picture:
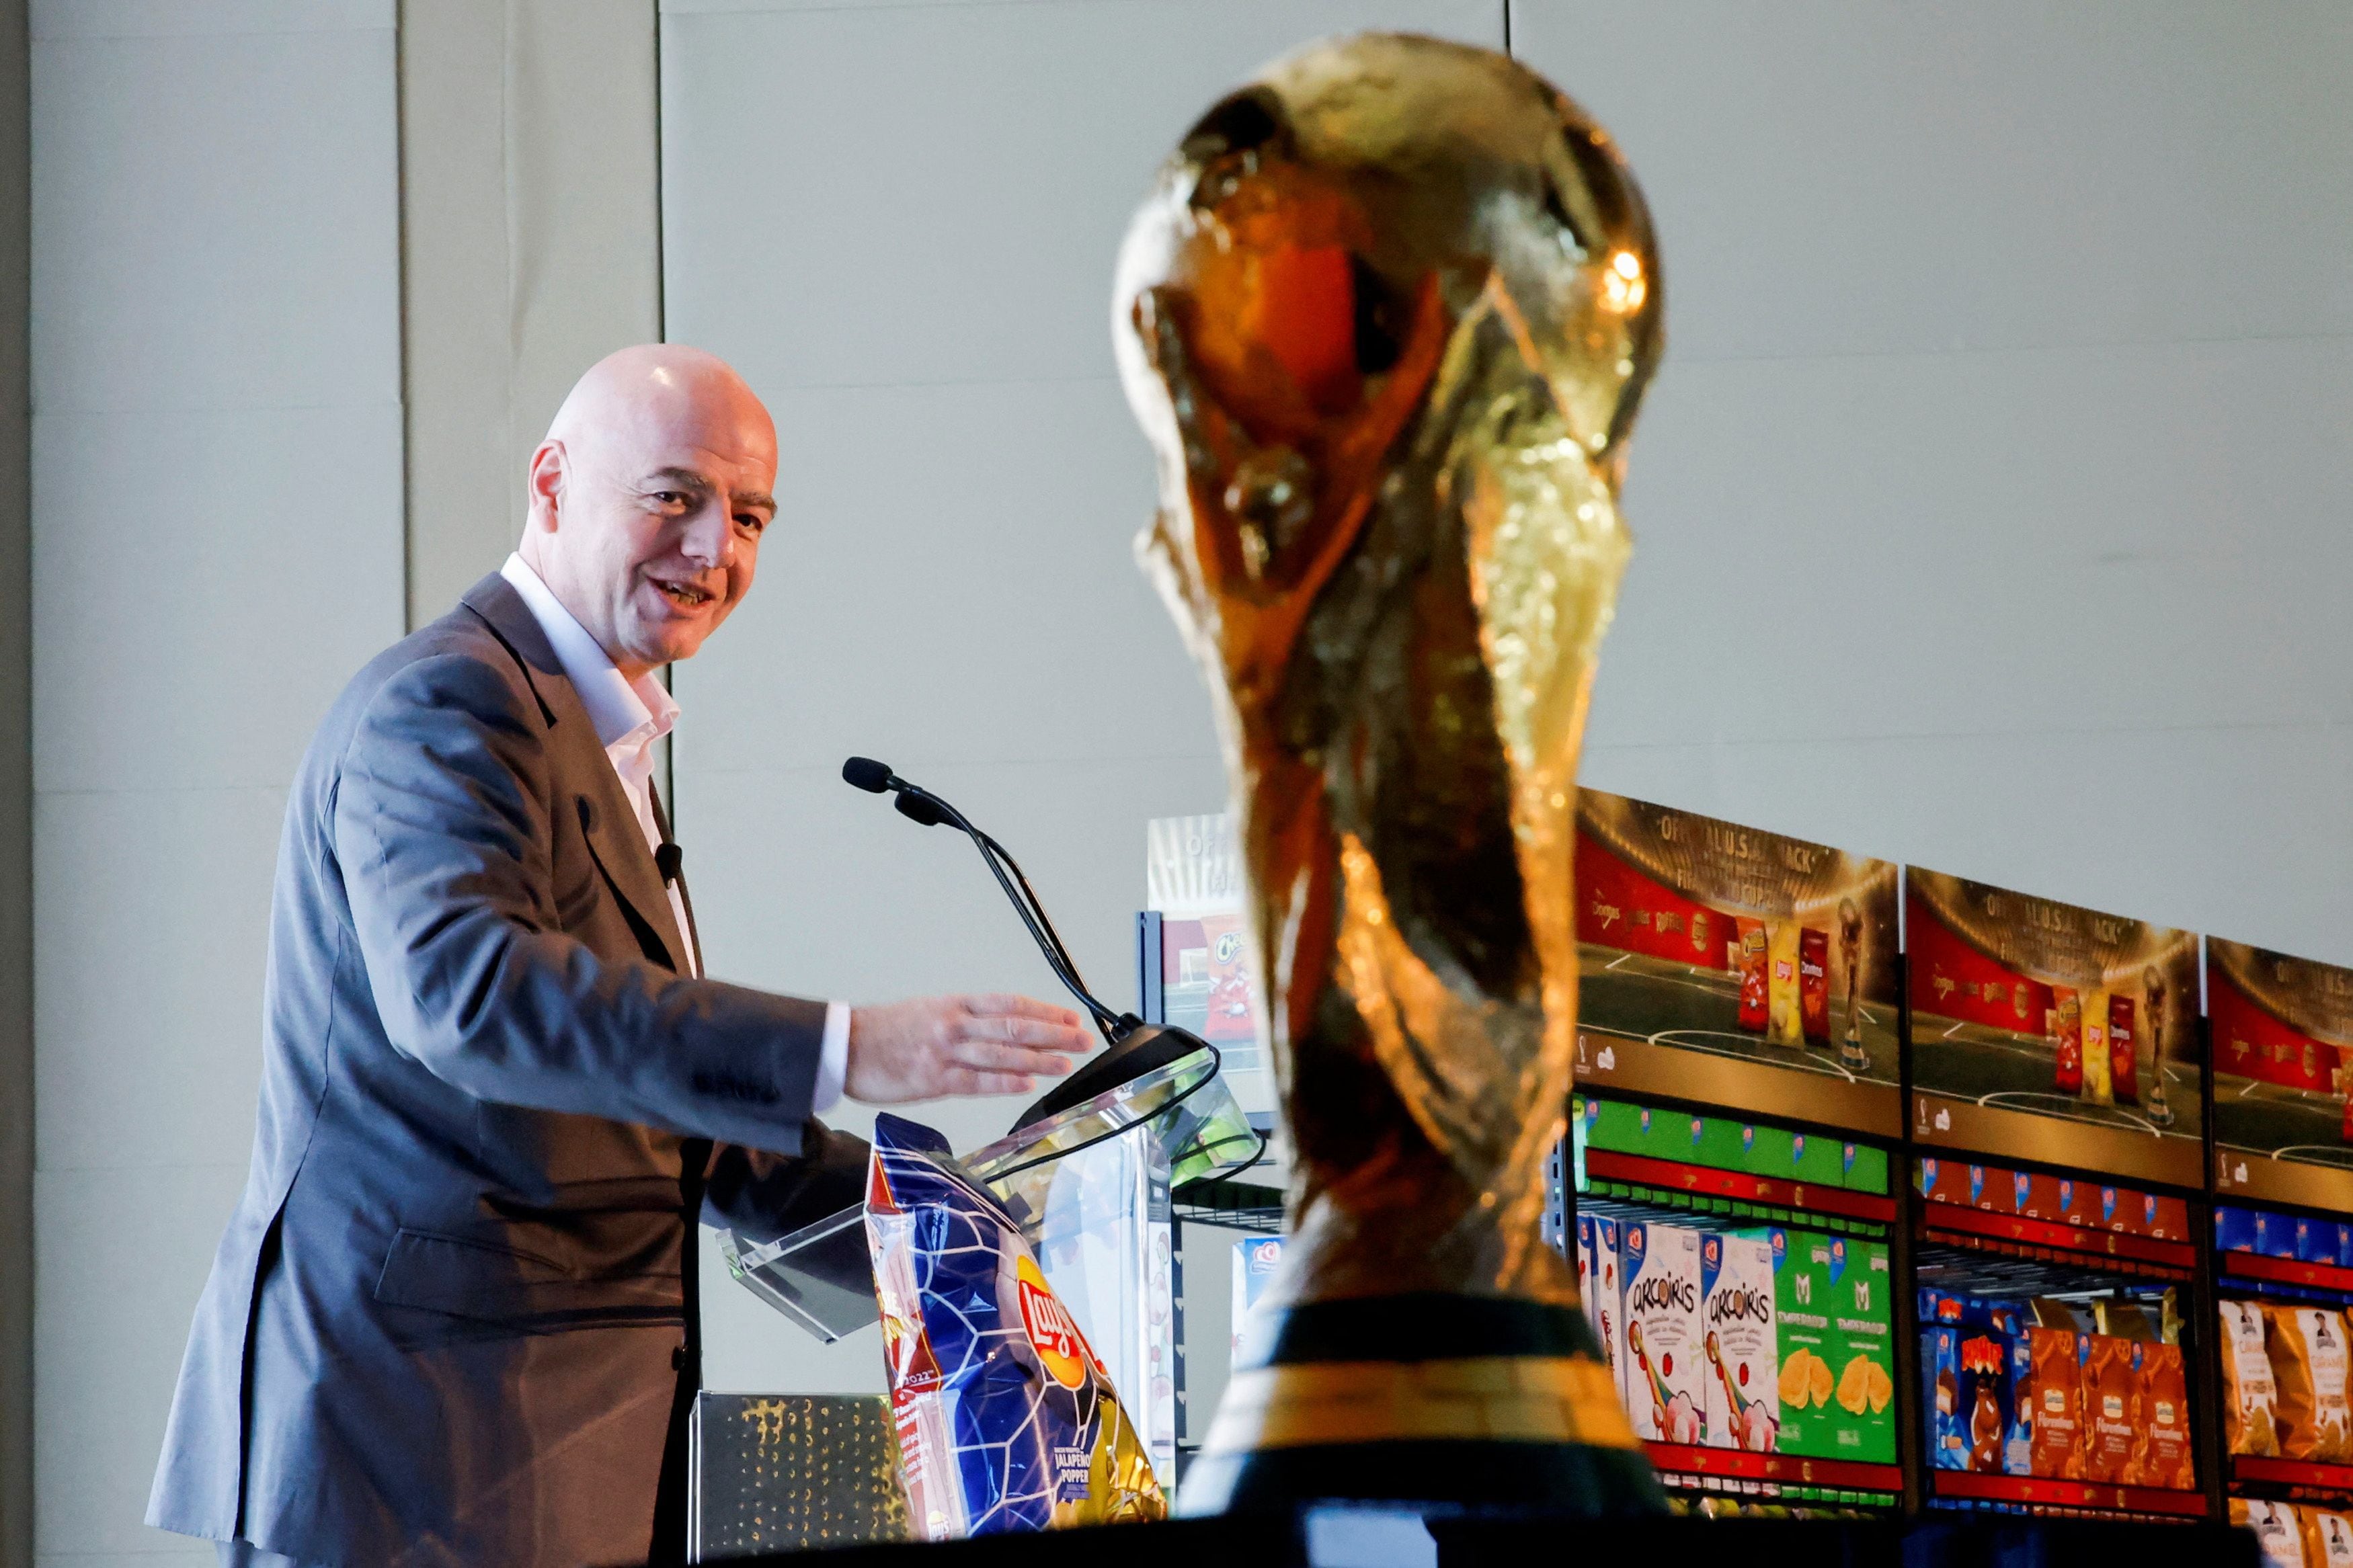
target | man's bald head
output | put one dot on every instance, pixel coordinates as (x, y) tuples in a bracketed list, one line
[(648, 500)]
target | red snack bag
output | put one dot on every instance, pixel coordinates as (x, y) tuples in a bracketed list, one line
[(2063, 1025), (1755, 1011), (2124, 1065), (1814, 983)]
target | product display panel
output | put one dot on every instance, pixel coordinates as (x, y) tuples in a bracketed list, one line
[(1740, 1276), (2059, 1364), (2281, 1032), (2054, 1034), (2282, 1282), (1737, 967)]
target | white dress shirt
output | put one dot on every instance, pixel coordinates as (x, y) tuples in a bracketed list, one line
[(630, 717)]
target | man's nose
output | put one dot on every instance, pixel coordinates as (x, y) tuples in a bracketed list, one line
[(709, 540)]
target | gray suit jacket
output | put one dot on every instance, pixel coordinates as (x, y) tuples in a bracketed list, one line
[(445, 1325)]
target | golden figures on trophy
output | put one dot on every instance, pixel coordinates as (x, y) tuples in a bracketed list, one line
[(1386, 318)]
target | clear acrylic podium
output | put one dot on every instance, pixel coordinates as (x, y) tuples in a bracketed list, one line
[(1089, 1187)]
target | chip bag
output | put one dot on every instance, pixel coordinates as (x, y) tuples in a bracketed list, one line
[(2309, 1364), (2250, 1397), (2328, 1539), (1006, 1420)]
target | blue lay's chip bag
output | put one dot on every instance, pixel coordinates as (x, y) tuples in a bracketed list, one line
[(1006, 1420)]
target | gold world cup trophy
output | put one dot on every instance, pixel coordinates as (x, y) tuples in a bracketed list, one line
[(1385, 317)]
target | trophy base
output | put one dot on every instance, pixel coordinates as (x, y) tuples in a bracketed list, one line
[(1504, 1404), (1434, 1477)]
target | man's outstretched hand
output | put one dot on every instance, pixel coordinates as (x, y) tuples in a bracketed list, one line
[(938, 1045)]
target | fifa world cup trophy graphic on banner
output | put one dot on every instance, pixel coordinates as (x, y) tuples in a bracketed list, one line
[(1387, 317)]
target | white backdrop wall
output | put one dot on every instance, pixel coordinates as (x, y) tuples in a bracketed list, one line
[(216, 547)]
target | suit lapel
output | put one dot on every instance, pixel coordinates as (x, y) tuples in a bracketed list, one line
[(583, 772)]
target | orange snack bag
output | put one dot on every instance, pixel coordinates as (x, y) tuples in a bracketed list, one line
[(2055, 1396), (2111, 1409), (2162, 1457), (2250, 1396), (2307, 1346)]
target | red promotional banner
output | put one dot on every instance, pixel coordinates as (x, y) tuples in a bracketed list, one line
[(1950, 977), (1619, 907), (2252, 1043)]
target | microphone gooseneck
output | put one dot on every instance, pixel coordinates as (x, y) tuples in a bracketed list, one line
[(923, 807)]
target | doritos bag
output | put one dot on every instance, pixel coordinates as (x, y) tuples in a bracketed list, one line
[(1007, 1421)]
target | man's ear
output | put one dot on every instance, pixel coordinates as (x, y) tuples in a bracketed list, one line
[(548, 465)]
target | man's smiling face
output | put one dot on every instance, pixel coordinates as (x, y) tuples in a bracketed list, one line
[(648, 501)]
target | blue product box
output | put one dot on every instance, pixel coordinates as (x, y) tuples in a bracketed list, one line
[(2234, 1228)]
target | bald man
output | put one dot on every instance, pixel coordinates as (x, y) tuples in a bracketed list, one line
[(452, 1321)]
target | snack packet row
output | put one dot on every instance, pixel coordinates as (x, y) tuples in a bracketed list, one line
[(2296, 1535), (2284, 1382), (1006, 1420), (1784, 970), (1769, 1340), (2011, 1393)]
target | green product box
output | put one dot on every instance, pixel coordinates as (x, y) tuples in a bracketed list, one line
[(1866, 1168), (1788, 1156), (1713, 1142), (1817, 1159), (1865, 1317), (1833, 1299), (1766, 1150), (1617, 1125)]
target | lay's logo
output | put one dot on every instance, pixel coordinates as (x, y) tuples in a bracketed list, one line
[(1056, 1338)]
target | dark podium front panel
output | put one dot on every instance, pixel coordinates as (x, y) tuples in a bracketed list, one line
[(783, 1472)]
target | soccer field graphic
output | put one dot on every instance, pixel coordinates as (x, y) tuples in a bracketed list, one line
[(2010, 1072), (1629, 996), (2025, 1007)]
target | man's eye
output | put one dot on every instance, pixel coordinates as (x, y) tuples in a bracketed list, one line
[(668, 498), (752, 521)]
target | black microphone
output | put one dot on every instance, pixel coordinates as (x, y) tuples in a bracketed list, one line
[(667, 860), (869, 775), (1136, 1048)]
